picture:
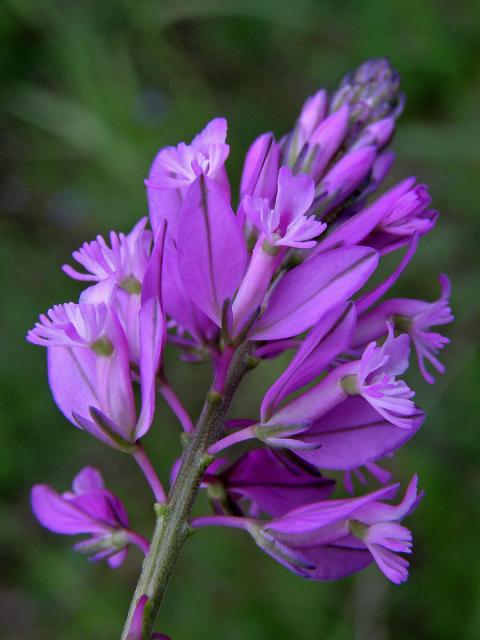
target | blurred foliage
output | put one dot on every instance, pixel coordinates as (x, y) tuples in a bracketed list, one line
[(90, 91)]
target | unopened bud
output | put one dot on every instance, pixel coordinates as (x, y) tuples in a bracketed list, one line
[(372, 91)]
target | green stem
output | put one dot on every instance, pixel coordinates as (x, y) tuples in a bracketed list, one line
[(173, 518)]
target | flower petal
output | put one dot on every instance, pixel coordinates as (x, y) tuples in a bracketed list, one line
[(307, 292), (212, 254), (354, 434), (330, 336)]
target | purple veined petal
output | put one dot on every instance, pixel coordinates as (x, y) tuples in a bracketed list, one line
[(335, 561), (380, 170), (328, 137), (152, 340), (176, 301), (378, 133), (357, 228), (87, 480), (354, 434), (72, 378), (126, 307), (119, 510), (312, 114), (114, 382), (174, 169), (306, 521), (60, 515), (152, 280), (165, 205), (260, 170), (313, 403), (152, 334), (212, 254), (346, 175), (101, 507), (273, 483), (369, 299), (329, 337), (307, 292)]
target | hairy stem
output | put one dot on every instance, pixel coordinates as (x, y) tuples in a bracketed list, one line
[(173, 518)]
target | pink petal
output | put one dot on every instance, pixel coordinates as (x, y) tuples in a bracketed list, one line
[(88, 479), (329, 337), (212, 254), (307, 292)]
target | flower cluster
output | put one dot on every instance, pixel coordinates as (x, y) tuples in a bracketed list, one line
[(286, 269)]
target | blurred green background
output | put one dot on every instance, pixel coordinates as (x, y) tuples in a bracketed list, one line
[(90, 91)]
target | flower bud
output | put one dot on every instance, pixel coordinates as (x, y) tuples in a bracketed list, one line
[(372, 91)]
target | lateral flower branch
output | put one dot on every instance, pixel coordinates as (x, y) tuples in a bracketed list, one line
[(287, 270)]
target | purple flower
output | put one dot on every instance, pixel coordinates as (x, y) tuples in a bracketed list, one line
[(358, 413), (321, 146), (345, 135), (372, 91), (89, 366), (334, 538), (122, 264), (312, 289), (312, 114), (260, 170), (183, 313), (119, 272), (174, 169), (388, 223), (351, 435), (376, 380), (286, 271), (88, 508), (287, 224), (74, 325), (269, 481), (416, 317), (326, 340), (373, 377), (89, 361), (410, 214), (344, 177), (212, 253), (378, 134)]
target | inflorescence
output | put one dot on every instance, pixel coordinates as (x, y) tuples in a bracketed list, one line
[(287, 271)]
